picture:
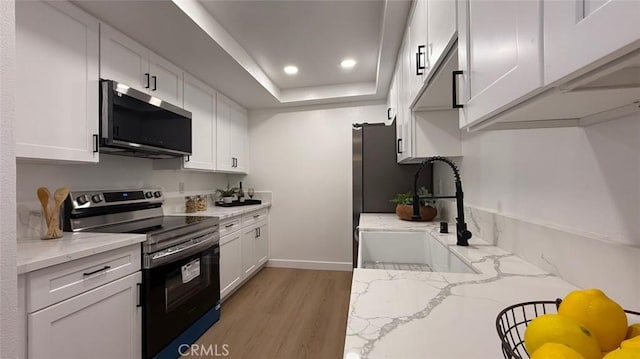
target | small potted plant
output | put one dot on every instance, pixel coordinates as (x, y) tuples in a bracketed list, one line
[(404, 206), (227, 194)]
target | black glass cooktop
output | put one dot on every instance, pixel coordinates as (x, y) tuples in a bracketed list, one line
[(154, 224)]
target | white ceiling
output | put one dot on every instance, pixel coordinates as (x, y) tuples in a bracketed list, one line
[(240, 47), (313, 35)]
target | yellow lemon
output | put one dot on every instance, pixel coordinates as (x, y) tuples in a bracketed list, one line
[(633, 343), (556, 351), (633, 331), (593, 309), (624, 354), (553, 328)]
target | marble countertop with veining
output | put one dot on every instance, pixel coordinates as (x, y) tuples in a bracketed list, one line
[(225, 212), (403, 314), (35, 253)]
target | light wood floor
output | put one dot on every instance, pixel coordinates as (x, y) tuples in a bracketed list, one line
[(285, 314)]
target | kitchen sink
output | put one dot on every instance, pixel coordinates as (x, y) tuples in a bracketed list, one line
[(412, 251)]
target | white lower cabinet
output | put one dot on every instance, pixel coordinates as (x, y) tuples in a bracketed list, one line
[(249, 236), (244, 249), (255, 247), (85, 308), (261, 244), (101, 323), (230, 263)]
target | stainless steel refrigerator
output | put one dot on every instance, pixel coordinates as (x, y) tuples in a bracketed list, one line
[(377, 177)]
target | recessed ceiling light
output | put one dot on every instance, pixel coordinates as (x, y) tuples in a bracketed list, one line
[(348, 63), (290, 70)]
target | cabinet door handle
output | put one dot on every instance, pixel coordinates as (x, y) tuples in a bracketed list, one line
[(256, 233), (259, 232), (389, 113), (399, 145), (139, 285), (97, 271), (146, 75), (96, 144), (419, 65), (188, 159), (155, 82), (454, 86)]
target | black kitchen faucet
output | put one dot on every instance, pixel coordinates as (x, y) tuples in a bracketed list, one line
[(461, 227)]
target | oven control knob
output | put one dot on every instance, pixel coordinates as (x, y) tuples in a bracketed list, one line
[(96, 198), (148, 194), (82, 199), (157, 194)]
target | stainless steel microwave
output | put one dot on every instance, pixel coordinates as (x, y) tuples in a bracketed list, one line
[(133, 123)]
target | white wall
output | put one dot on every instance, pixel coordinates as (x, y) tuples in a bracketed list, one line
[(586, 180), (304, 157), (112, 172), (8, 276)]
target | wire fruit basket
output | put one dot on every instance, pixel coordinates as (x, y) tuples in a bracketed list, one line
[(513, 321)]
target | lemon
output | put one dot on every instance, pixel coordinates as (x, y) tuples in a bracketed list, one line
[(633, 343), (556, 351), (624, 354), (604, 317), (633, 331), (553, 328)]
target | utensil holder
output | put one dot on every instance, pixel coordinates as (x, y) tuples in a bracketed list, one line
[(50, 227)]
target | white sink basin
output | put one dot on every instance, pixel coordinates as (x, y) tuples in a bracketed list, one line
[(414, 251)]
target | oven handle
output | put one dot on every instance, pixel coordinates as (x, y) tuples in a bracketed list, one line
[(185, 252)]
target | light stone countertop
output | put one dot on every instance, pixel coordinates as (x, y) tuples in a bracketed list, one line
[(406, 314), (224, 212), (34, 253)]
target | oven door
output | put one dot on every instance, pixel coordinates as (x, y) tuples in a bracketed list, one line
[(177, 293)]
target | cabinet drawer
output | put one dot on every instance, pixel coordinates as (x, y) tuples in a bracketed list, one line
[(54, 284), (254, 217), (229, 225)]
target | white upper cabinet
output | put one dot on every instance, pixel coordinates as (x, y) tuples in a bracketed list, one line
[(417, 48), (239, 138), (403, 120), (580, 32), (166, 79), (500, 54), (441, 28), (200, 100), (392, 99), (124, 60), (232, 136), (225, 161), (56, 90)]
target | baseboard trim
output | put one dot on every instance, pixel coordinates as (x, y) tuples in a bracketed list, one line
[(317, 265)]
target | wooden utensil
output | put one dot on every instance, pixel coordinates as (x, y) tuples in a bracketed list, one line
[(43, 196), (59, 196)]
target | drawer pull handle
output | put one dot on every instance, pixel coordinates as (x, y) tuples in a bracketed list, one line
[(256, 216), (229, 225), (97, 271)]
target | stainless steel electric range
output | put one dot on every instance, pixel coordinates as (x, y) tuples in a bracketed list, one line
[(180, 290)]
